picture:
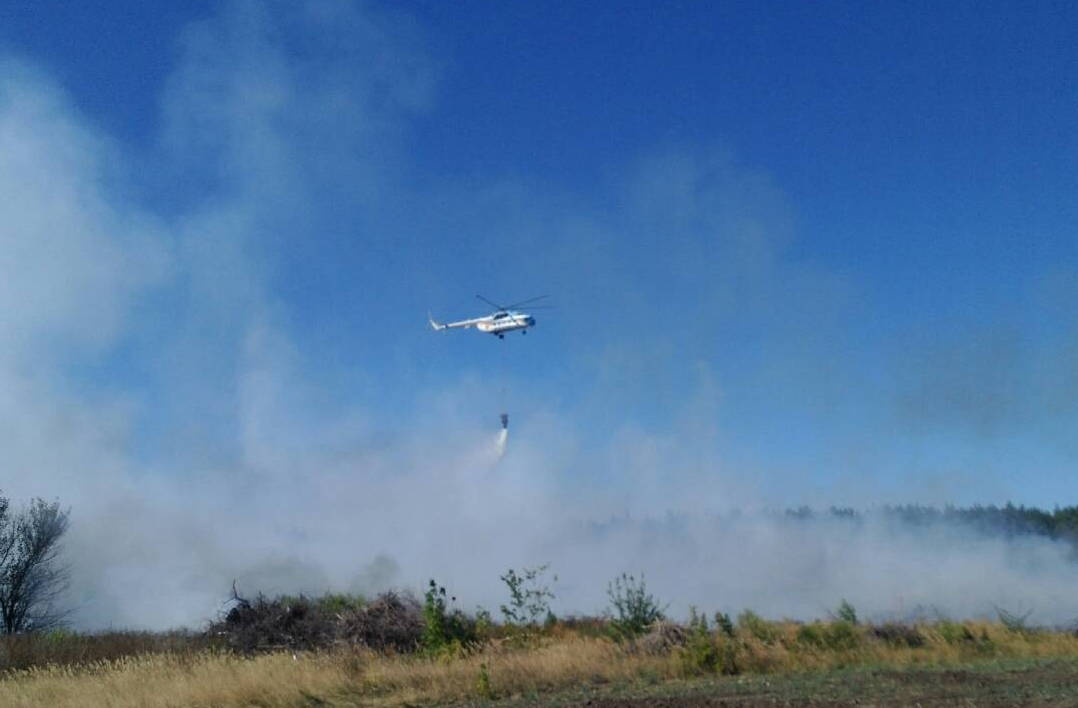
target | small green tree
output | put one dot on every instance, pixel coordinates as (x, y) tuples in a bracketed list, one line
[(846, 613), (434, 619), (635, 609), (444, 629), (529, 596), (725, 624)]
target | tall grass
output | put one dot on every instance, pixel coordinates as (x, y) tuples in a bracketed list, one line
[(561, 659), (63, 648)]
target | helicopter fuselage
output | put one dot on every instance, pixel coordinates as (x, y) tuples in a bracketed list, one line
[(497, 323), (501, 322)]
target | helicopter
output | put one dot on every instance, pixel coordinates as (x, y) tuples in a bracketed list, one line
[(503, 319)]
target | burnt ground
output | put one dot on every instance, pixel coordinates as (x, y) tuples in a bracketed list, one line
[(1044, 682)]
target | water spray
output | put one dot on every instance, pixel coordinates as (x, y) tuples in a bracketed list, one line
[(503, 435)]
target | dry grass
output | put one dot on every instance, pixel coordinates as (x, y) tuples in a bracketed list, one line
[(567, 660), (338, 678), (24, 651), (175, 680), (944, 643)]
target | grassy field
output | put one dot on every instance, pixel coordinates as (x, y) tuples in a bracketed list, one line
[(1008, 682), (942, 663)]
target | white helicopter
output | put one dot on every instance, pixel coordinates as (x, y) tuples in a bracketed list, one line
[(502, 320)]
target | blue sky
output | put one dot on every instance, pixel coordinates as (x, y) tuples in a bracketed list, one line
[(801, 253)]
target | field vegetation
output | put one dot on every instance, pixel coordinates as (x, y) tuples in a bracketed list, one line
[(395, 650), (401, 649)]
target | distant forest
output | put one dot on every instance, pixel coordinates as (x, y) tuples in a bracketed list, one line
[(1008, 521)]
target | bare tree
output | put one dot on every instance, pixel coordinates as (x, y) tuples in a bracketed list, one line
[(31, 575)]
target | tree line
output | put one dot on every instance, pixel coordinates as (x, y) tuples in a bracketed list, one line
[(33, 577), (1008, 520)]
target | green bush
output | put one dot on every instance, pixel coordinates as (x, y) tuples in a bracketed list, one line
[(954, 632), (635, 609), (482, 683), (529, 597), (810, 635), (841, 635), (724, 624), (756, 626), (705, 652), (846, 613), (484, 624), (834, 636), (445, 630)]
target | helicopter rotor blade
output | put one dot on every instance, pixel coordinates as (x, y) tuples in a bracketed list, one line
[(492, 304), (529, 300)]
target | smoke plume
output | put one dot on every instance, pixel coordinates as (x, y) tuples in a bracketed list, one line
[(224, 369)]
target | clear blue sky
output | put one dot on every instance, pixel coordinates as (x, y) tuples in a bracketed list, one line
[(828, 250)]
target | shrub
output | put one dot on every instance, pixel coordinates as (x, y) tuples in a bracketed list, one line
[(586, 626), (899, 635), (265, 624), (954, 632), (846, 613), (482, 683), (756, 626), (841, 635), (484, 624), (705, 652), (835, 636), (634, 607), (663, 638), (390, 622), (724, 624), (529, 597), (810, 635), (444, 629), (1013, 621), (340, 603)]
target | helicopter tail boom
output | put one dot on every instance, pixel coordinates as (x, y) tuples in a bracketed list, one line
[(453, 325)]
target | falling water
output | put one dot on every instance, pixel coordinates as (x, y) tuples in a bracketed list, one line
[(503, 436)]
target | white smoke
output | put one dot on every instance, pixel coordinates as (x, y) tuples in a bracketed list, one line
[(153, 380)]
